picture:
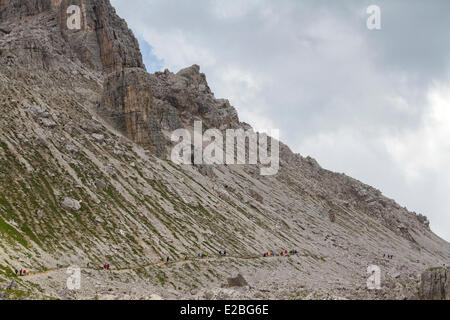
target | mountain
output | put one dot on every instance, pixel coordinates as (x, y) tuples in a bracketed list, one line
[(86, 177)]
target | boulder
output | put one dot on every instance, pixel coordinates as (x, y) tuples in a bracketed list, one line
[(435, 284), (90, 126), (98, 137), (70, 204), (238, 281), (12, 285), (255, 195), (38, 112), (101, 184)]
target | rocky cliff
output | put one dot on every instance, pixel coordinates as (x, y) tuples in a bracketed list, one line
[(84, 177)]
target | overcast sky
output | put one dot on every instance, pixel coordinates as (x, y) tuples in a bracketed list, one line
[(374, 104)]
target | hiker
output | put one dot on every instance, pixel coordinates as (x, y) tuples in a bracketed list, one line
[(281, 253), (220, 252), (225, 252), (168, 259), (87, 264), (185, 257), (20, 272), (16, 271)]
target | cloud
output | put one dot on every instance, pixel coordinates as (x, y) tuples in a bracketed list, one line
[(372, 104)]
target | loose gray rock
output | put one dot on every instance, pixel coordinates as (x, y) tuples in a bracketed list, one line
[(48, 123), (98, 137), (101, 184), (70, 204), (90, 126), (12, 285), (435, 284), (71, 148)]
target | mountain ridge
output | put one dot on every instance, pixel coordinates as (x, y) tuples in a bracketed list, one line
[(83, 121)]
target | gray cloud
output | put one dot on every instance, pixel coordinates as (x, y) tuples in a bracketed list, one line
[(372, 104)]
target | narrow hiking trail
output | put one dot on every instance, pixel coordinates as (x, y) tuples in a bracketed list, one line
[(156, 264)]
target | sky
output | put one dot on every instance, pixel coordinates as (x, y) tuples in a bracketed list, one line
[(374, 104)]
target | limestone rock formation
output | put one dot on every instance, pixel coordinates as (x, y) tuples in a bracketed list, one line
[(37, 35)]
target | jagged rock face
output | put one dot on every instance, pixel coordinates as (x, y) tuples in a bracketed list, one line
[(435, 284), (145, 106), (36, 33)]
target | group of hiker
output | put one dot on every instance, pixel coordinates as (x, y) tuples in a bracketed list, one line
[(389, 256), (281, 253), (22, 272), (205, 255)]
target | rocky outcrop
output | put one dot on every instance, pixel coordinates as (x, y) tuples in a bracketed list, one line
[(435, 284), (148, 107)]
